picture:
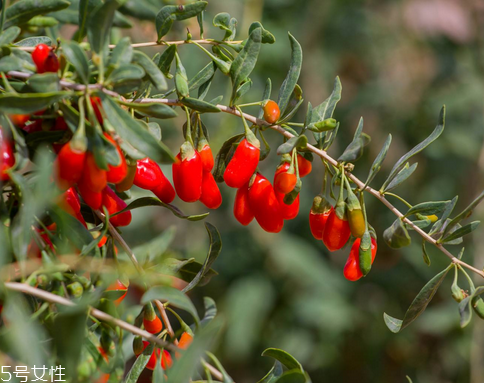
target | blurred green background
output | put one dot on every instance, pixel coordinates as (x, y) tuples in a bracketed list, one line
[(399, 61)]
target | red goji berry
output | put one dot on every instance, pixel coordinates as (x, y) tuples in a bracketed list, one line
[(148, 174), (7, 157), (93, 177), (128, 181), (271, 112), (263, 202), (92, 199), (304, 166), (96, 106), (166, 360), (39, 56), (288, 211), (153, 326), (114, 204), (242, 165), (51, 63), (70, 165), (211, 196), (318, 216), (352, 270), (153, 358), (336, 232), (205, 155), (188, 173), (19, 120), (71, 204), (164, 190), (284, 182), (242, 211), (118, 286), (116, 174)]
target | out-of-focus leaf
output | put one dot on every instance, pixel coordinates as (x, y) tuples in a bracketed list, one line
[(44, 83), (292, 77), (292, 376), (166, 58), (396, 236), (417, 149), (275, 372), (284, 357), (200, 105), (171, 13), (24, 10), (152, 109), (425, 255), (11, 62), (173, 296), (213, 253), (34, 41), (9, 35), (76, 56), (210, 310), (42, 22), (419, 304), (465, 311), (24, 103), (265, 96)]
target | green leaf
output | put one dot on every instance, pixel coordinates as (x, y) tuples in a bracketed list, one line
[(223, 156), (34, 41), (139, 365), (122, 54), (210, 310), (284, 357), (417, 149), (44, 83), (355, 149), (425, 255), (203, 76), (171, 13), (428, 208), (464, 230), (298, 142), (166, 59), (267, 37), (42, 22), (213, 253), (76, 56), (292, 376), (9, 35), (152, 109), (200, 105), (275, 372), (152, 201), (419, 304), (11, 62), (445, 215), (376, 166), (227, 24), (245, 62), (402, 176), (466, 213), (181, 79), (126, 72), (154, 73), (326, 109), (465, 311), (173, 296), (99, 25), (265, 96), (292, 77), (396, 236), (133, 131), (27, 103), (22, 11)]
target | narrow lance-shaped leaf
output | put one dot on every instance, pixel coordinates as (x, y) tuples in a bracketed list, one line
[(417, 149), (419, 304), (464, 230), (99, 25), (284, 357), (76, 56), (22, 11), (152, 71), (152, 109), (200, 105), (355, 149), (139, 365), (402, 175), (166, 59), (266, 95), (376, 166), (267, 37), (465, 213), (24, 103), (292, 77), (326, 109), (9, 35), (122, 54), (299, 142), (169, 13), (428, 208)]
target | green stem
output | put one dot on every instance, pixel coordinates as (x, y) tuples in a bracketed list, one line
[(399, 198), (258, 103), (297, 124), (188, 137)]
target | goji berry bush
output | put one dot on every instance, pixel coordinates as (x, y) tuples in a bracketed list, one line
[(82, 137)]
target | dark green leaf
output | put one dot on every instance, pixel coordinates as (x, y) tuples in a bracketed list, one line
[(24, 10), (152, 201), (171, 13), (125, 73), (34, 41), (166, 58), (417, 149), (223, 155), (464, 230), (210, 310), (267, 37), (152, 109), (465, 311), (355, 149), (292, 77), (181, 79), (132, 131), (405, 173), (396, 236), (11, 103), (245, 62), (44, 83), (419, 304), (275, 372), (76, 56), (445, 215), (425, 255), (284, 357), (466, 213), (227, 24), (213, 253), (376, 166), (99, 25), (299, 142), (266, 96), (200, 105), (428, 208), (153, 72), (173, 296), (326, 109)]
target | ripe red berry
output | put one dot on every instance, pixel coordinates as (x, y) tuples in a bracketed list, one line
[(128, 181), (288, 211), (96, 106), (185, 340), (242, 165), (114, 204), (187, 173), (70, 165), (206, 155), (93, 177), (263, 202), (39, 55), (242, 211), (304, 166), (153, 326), (92, 199), (211, 196), (7, 157), (164, 190), (118, 286), (317, 222), (352, 270), (154, 356), (71, 204), (336, 232), (148, 174), (116, 174), (284, 182), (51, 63), (271, 112)]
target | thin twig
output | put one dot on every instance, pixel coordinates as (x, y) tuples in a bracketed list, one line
[(101, 315)]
